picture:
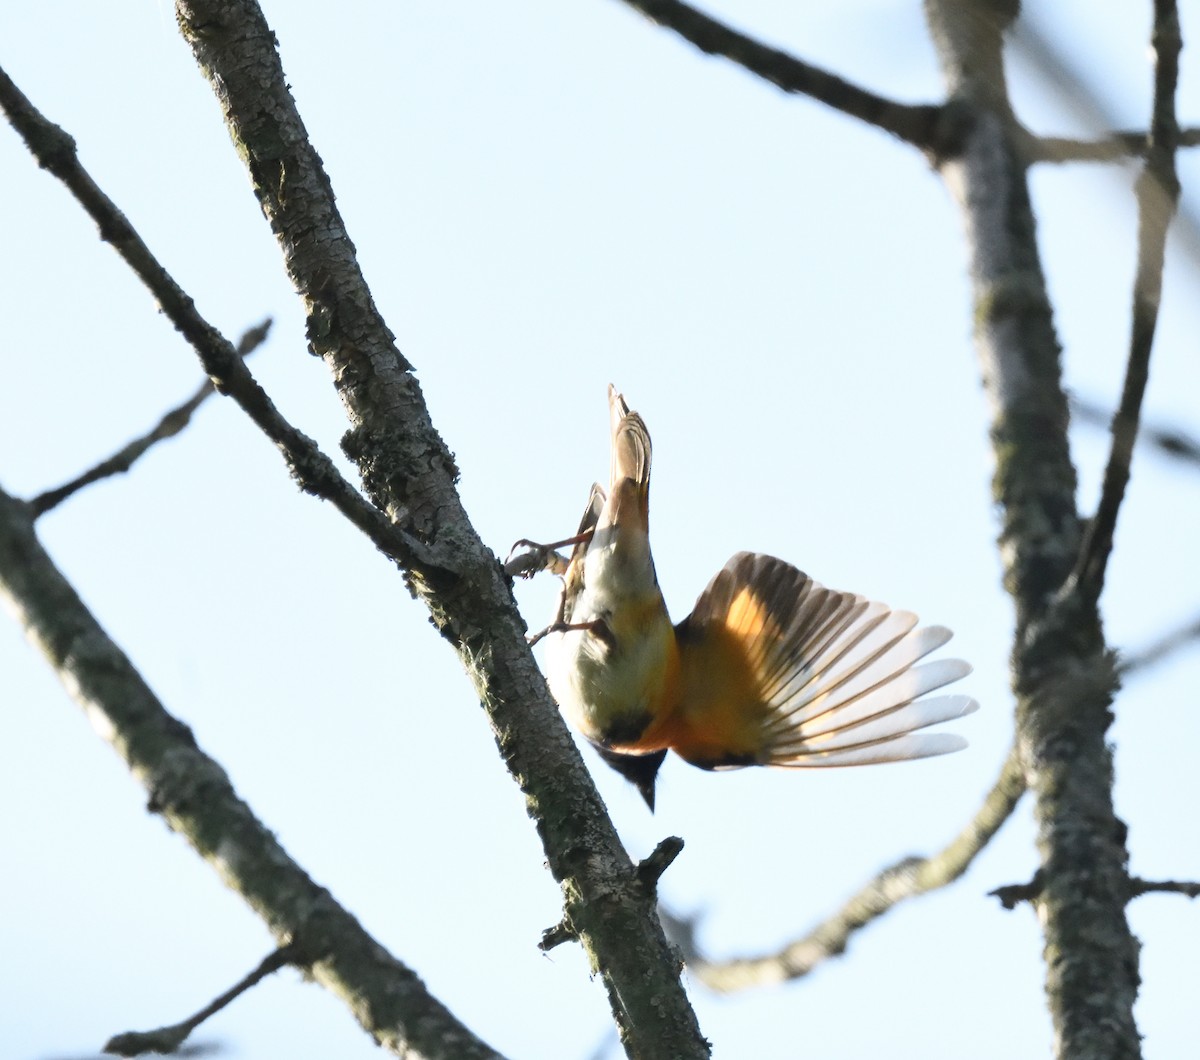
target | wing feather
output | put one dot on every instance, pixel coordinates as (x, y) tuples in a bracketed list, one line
[(573, 579)]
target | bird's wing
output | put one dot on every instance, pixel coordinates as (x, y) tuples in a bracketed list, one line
[(591, 516), (573, 578), (778, 670)]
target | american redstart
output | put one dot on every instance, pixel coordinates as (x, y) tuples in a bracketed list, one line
[(769, 669)]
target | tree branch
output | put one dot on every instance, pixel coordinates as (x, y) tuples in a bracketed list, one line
[(1157, 196), (170, 425), (1187, 888), (196, 799), (914, 124), (409, 474), (169, 1039), (313, 471), (1116, 147), (1063, 672), (1013, 894), (906, 879)]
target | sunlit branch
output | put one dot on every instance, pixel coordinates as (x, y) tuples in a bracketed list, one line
[(906, 879), (1116, 147)]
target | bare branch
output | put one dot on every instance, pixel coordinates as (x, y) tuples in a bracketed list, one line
[(1139, 887), (408, 472), (1013, 894), (169, 1039), (1063, 673), (195, 797), (914, 124), (1157, 196), (906, 879), (1116, 147), (411, 476), (1077, 88), (313, 471), (170, 425)]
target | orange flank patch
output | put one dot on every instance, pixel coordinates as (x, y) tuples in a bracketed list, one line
[(719, 719)]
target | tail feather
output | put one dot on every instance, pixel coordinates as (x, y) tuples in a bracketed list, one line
[(823, 678), (891, 673), (897, 749), (878, 726), (630, 443)]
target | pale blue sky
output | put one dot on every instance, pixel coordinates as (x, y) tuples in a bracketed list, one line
[(545, 198)]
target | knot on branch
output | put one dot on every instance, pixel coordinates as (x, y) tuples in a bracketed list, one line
[(563, 931), (650, 870), (1013, 894)]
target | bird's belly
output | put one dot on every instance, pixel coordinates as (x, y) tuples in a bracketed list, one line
[(616, 689)]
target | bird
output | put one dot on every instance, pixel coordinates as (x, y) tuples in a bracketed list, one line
[(770, 668)]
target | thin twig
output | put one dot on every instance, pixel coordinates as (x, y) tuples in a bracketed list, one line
[(913, 123), (1077, 88), (184, 1052), (1013, 894), (1120, 146), (1138, 887), (312, 469), (171, 424), (1157, 195), (1155, 652), (169, 1039), (906, 879), (1173, 441)]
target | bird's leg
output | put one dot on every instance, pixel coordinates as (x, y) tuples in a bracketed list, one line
[(597, 626), (540, 557)]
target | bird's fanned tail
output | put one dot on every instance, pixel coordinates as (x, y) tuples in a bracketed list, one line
[(778, 670)]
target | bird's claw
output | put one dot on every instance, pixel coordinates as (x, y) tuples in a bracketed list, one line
[(534, 559)]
